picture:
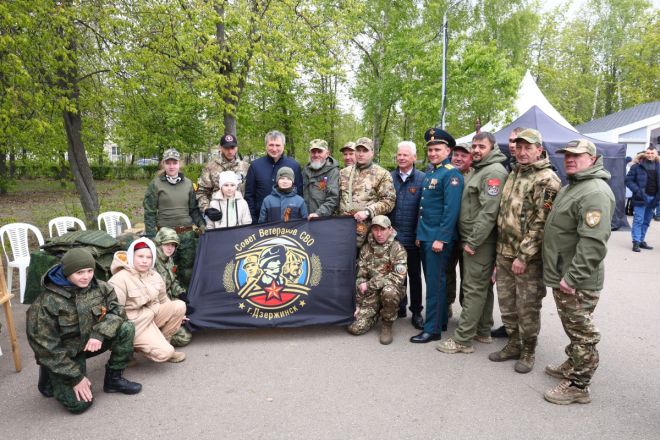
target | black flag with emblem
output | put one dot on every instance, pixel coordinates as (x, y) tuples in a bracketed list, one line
[(282, 274)]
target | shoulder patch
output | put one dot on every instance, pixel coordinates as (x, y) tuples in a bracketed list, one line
[(449, 166), (493, 186), (400, 269), (454, 181), (549, 195), (592, 217)]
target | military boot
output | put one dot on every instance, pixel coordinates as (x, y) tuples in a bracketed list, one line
[(44, 386), (114, 382), (636, 247), (386, 333), (566, 393), (559, 371), (510, 351), (526, 361)]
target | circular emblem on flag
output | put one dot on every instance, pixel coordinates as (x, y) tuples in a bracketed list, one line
[(272, 275)]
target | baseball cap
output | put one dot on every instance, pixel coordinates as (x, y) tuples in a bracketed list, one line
[(348, 146), (465, 146), (171, 153), (530, 135), (364, 142), (382, 221), (579, 146), (318, 144), (228, 141)]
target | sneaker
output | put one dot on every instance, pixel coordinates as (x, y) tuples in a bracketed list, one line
[(483, 339), (510, 351), (558, 371), (643, 245), (450, 346), (177, 356), (566, 393)]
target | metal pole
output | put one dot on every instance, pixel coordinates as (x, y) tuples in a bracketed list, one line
[(444, 70)]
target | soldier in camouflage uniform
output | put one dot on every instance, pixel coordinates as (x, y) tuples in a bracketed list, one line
[(167, 241), (380, 283), (526, 201), (366, 189), (226, 160), (74, 318), (574, 249)]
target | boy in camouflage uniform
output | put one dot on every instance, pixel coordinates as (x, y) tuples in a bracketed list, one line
[(526, 201), (167, 241), (380, 283), (74, 318), (366, 190)]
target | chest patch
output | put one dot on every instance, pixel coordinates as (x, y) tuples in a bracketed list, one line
[(592, 217)]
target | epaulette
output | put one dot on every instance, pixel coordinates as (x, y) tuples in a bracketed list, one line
[(449, 166)]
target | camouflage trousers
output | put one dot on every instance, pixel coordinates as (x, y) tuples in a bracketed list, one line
[(121, 351), (374, 303), (520, 298), (181, 337), (576, 314), (184, 257)]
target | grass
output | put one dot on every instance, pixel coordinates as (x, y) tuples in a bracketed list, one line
[(40, 200)]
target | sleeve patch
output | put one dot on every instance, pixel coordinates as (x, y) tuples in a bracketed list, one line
[(548, 198), (493, 186), (400, 269), (454, 181), (592, 217)]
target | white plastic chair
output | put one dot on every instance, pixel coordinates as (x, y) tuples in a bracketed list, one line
[(112, 222), (62, 225), (18, 238)]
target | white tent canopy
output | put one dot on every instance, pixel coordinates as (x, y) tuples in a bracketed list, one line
[(529, 95)]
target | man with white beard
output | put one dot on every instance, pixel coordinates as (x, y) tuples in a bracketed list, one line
[(320, 180)]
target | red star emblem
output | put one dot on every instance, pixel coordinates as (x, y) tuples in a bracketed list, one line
[(273, 291)]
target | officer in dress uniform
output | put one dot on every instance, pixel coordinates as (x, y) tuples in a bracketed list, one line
[(439, 208)]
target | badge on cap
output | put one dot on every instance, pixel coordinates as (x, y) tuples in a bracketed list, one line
[(493, 187), (592, 218)]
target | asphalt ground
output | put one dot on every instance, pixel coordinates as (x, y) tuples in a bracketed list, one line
[(322, 383)]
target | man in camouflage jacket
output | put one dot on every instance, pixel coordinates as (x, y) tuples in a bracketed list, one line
[(226, 160), (380, 283), (366, 189), (74, 318), (526, 201)]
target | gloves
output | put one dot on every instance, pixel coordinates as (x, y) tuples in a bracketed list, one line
[(214, 214)]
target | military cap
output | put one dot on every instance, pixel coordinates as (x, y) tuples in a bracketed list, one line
[(364, 142), (348, 146), (318, 144), (277, 253), (465, 146), (228, 141), (165, 236), (171, 153), (579, 146), (381, 220), (530, 135), (439, 136), (77, 259)]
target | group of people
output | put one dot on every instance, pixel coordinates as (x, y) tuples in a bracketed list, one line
[(499, 219)]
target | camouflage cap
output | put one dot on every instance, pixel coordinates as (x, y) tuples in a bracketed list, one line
[(381, 220), (348, 146), (579, 146), (171, 153), (465, 146), (166, 235), (318, 144), (530, 135), (365, 142)]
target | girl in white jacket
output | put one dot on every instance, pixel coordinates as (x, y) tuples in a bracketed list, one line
[(229, 200)]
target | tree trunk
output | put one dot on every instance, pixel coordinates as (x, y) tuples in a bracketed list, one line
[(12, 164), (4, 179), (230, 121), (82, 173)]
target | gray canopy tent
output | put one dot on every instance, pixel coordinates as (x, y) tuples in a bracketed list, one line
[(556, 136)]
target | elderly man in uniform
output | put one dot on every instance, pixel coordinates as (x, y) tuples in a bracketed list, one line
[(227, 159), (408, 182), (479, 207), (348, 153), (74, 318), (574, 249), (366, 189), (461, 158), (436, 229), (320, 181), (263, 172), (380, 283), (526, 201)]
